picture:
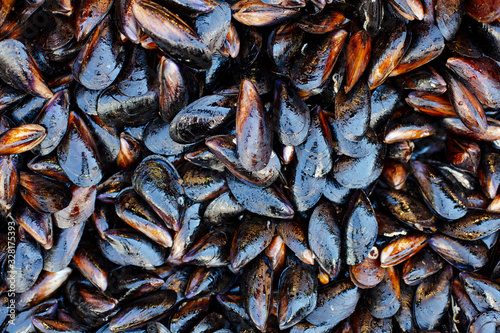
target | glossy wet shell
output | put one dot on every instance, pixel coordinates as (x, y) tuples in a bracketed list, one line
[(201, 166)]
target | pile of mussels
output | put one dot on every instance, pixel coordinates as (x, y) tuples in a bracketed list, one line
[(261, 165)]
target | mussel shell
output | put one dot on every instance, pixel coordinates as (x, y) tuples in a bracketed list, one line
[(213, 27), (9, 182), (291, 115), (297, 295), (427, 44), (65, 244), (224, 148), (335, 303), (202, 118), (258, 13), (432, 299), (360, 229), (135, 249), (157, 181), (408, 210), (383, 300), (136, 212), (54, 117), (142, 310), (202, 184), (37, 225), (257, 286), (305, 191), (250, 239), (20, 139), (483, 292), (315, 64), (88, 15), (422, 265), (117, 109), (324, 238), (23, 74), (192, 229), (172, 35), (45, 286), (43, 194), (79, 209), (388, 51), (449, 16), (314, 154), (294, 236), (101, 59), (78, 154), (212, 249), (253, 132), (466, 256), (352, 112), (354, 172), (267, 201), (28, 264), (177, 88)]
